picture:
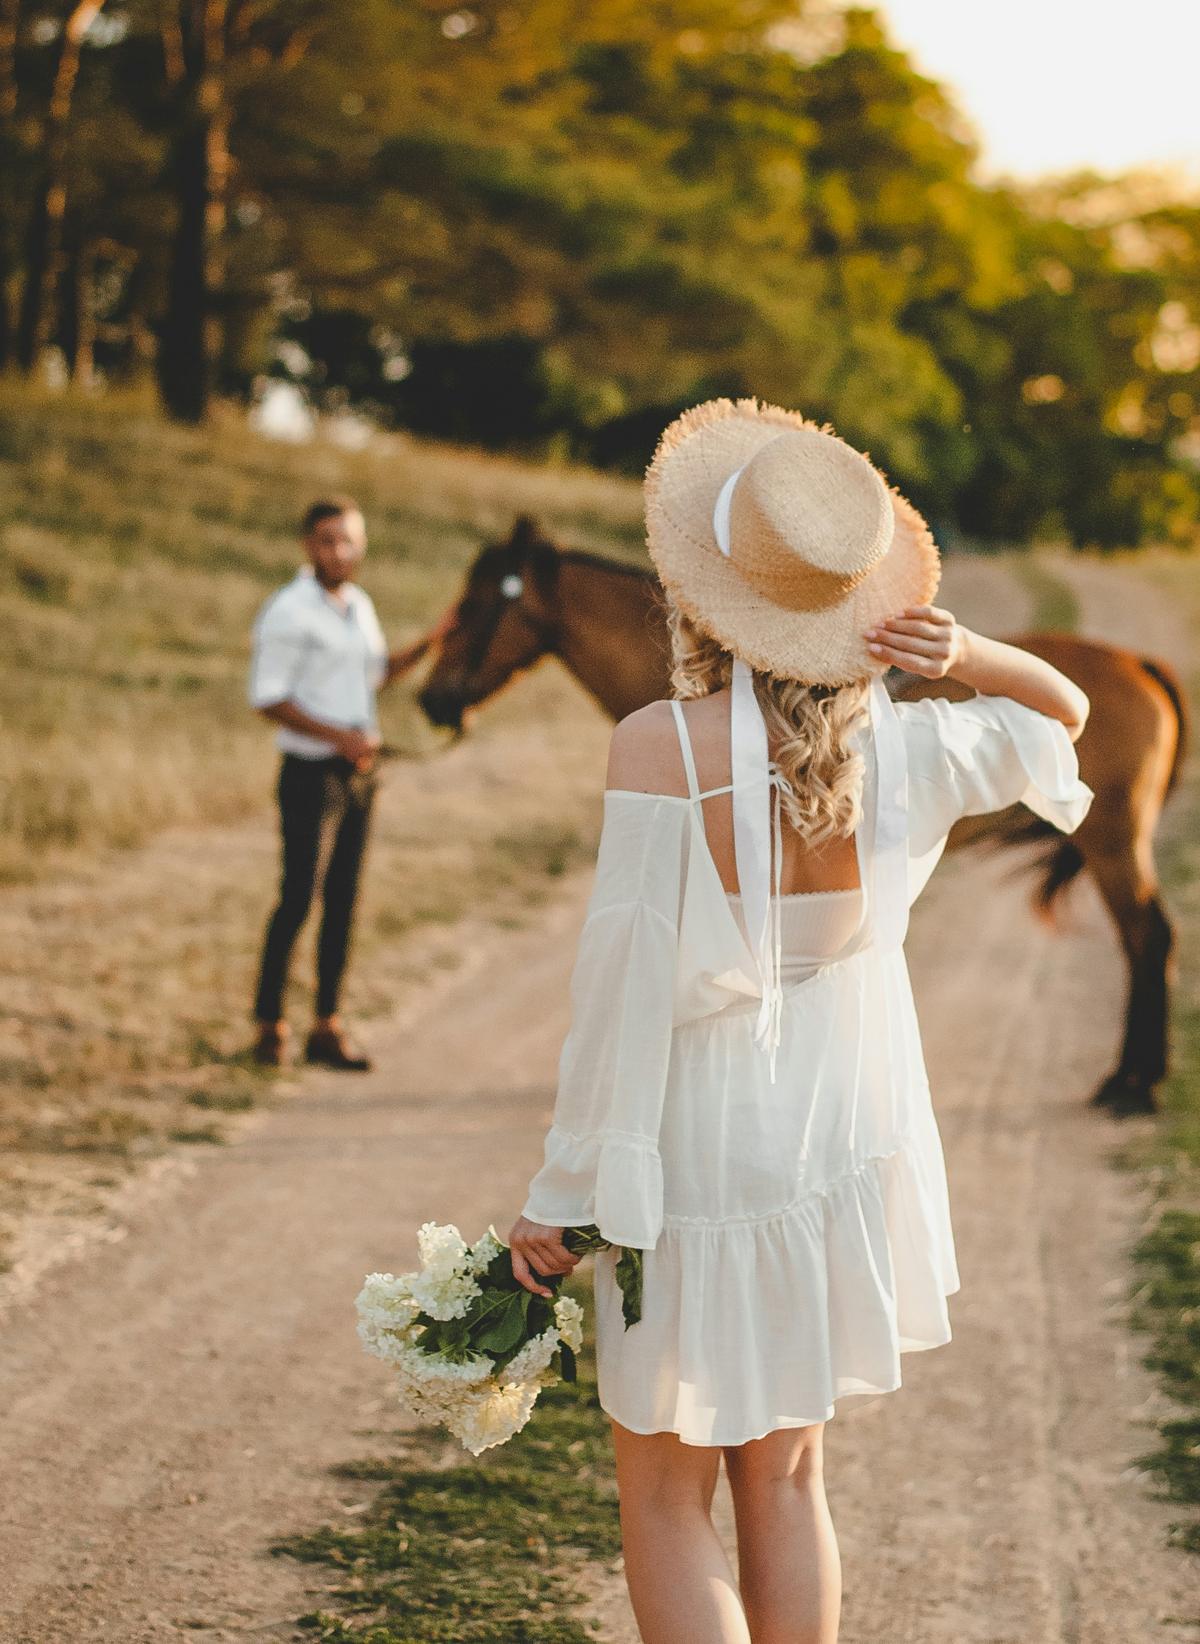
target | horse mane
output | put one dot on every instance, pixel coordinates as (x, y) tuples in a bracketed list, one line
[(600, 562)]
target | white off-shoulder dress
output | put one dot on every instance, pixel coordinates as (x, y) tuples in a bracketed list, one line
[(796, 1227)]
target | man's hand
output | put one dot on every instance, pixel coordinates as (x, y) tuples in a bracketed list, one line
[(359, 747), (922, 640), (403, 661), (536, 1247)]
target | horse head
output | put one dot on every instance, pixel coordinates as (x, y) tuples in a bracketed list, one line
[(505, 620)]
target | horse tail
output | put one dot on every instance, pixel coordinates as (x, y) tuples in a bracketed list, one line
[(1058, 868), (1058, 862), (1169, 680), (1061, 861)]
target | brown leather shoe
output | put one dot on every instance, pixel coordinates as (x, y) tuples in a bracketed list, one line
[(329, 1047), (270, 1048)]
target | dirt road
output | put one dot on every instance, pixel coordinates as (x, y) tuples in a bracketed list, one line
[(174, 1402)]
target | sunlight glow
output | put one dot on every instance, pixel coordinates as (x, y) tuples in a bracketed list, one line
[(1055, 85)]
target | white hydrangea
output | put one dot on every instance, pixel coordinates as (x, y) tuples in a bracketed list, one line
[(568, 1316), (485, 1251), (442, 1249), (431, 1370), (495, 1418), (481, 1406), (387, 1345), (386, 1310), (418, 1365), (444, 1288), (533, 1358), (433, 1389)]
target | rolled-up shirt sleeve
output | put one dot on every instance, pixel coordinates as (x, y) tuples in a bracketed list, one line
[(276, 657), (602, 1163), (377, 647)]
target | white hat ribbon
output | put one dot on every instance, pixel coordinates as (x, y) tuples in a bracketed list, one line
[(758, 831)]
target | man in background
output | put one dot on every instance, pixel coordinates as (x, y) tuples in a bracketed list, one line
[(319, 659)]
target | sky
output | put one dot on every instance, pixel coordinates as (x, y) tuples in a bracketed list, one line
[(1051, 85)]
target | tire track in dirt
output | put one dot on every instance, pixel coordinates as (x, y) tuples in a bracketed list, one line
[(1013, 1449), (174, 1403)]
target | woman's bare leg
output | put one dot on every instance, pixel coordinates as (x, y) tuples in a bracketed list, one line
[(789, 1569), (681, 1584)]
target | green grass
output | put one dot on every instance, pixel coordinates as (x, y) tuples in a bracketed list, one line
[(1166, 1294), (474, 1551), (1167, 1305)]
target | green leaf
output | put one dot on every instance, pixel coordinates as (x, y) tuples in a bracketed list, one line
[(584, 1241), (629, 1278), (506, 1329)]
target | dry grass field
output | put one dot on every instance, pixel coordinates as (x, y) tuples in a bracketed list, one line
[(137, 844)]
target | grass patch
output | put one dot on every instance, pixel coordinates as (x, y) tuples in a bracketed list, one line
[(1168, 1307), (1055, 606), (1166, 1297), (106, 1130), (210, 1133), (222, 1101), (474, 1552)]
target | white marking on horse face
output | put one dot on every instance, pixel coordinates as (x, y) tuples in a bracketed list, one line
[(512, 586)]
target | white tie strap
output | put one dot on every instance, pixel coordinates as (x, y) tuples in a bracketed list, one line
[(758, 824)]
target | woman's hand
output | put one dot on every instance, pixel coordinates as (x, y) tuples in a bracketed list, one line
[(922, 640), (536, 1247), (927, 641)]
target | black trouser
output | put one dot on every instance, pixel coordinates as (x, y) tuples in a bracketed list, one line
[(324, 811)]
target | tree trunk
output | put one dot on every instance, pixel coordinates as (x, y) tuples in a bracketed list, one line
[(44, 241), (10, 13), (200, 164), (77, 323)]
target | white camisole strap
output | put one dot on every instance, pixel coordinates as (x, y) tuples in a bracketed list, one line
[(689, 760)]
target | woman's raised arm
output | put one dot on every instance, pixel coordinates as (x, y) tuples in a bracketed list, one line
[(928, 641)]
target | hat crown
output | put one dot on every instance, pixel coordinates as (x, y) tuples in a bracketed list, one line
[(809, 519)]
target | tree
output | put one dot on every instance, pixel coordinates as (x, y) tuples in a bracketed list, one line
[(545, 225), (47, 213), (10, 158), (195, 66)]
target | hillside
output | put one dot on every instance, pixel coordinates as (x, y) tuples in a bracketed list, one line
[(132, 558), (137, 842)]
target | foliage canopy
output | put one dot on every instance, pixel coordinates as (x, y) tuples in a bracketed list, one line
[(548, 226)]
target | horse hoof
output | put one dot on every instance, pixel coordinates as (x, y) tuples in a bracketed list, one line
[(1124, 1097)]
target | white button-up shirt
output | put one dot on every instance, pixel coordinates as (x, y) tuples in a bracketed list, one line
[(326, 655)]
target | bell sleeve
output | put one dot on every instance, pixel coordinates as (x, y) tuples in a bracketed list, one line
[(985, 754), (602, 1162)]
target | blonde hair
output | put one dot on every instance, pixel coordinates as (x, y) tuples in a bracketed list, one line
[(810, 728)]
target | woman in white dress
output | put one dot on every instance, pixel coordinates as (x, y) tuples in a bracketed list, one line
[(742, 1095)]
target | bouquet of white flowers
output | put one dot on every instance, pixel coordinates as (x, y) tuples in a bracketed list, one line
[(472, 1348)]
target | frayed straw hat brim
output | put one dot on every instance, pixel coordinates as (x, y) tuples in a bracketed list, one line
[(696, 455)]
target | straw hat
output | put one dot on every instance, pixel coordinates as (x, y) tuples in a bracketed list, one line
[(820, 547)]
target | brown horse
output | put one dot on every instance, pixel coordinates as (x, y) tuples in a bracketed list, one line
[(524, 599)]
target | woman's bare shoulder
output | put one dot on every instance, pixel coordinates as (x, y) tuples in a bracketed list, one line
[(644, 754)]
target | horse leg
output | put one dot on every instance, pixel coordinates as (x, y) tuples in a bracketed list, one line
[(1131, 894)]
